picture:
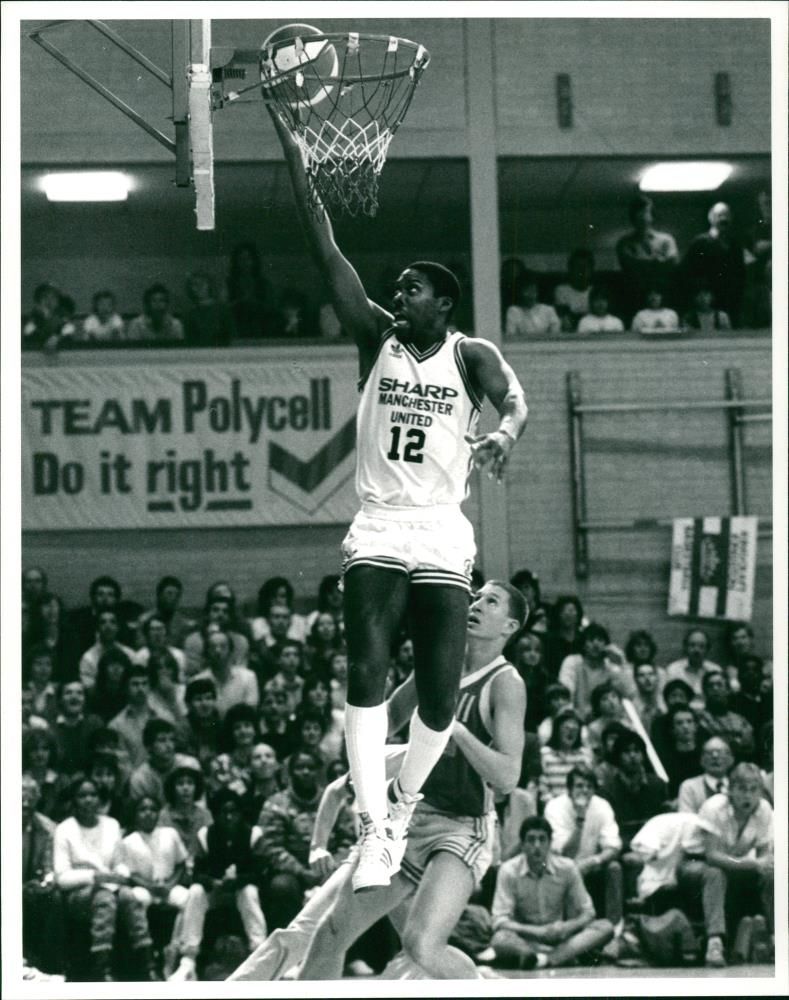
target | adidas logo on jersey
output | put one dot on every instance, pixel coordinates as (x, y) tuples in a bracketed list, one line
[(396, 349)]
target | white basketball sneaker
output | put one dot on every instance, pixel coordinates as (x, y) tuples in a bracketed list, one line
[(401, 809), (375, 857)]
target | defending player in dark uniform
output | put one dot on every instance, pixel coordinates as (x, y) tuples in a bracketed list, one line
[(451, 836), (409, 549)]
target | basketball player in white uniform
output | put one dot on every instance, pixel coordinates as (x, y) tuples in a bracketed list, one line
[(409, 549)]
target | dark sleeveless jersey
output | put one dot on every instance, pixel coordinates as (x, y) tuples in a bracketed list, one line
[(453, 785)]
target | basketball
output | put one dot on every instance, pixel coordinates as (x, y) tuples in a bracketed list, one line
[(301, 67)]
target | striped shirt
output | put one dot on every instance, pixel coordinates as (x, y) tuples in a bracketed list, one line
[(556, 765)]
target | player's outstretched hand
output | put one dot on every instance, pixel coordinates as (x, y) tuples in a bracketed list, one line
[(491, 452)]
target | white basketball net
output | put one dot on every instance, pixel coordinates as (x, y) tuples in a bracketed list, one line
[(344, 135)]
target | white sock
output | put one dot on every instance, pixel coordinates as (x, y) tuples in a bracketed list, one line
[(365, 738), (425, 746)]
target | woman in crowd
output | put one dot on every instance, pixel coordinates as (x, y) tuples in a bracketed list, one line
[(155, 636), (562, 753), (264, 781), (183, 792), (108, 696), (527, 658), (329, 600), (167, 693), (38, 678), (316, 696), (48, 625), (105, 774), (338, 678), (85, 852), (564, 636), (606, 708), (324, 640), (39, 760), (277, 590)]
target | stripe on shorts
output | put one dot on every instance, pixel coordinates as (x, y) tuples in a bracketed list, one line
[(445, 577)]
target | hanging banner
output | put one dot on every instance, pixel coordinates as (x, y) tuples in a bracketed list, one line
[(188, 445), (713, 565)]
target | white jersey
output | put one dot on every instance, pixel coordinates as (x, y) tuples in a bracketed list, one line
[(414, 412)]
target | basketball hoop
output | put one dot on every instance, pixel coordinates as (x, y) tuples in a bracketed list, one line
[(342, 108)]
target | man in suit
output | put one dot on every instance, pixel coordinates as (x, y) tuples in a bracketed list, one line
[(717, 760)]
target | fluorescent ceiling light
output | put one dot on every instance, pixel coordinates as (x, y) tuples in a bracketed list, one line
[(87, 185), (685, 176)]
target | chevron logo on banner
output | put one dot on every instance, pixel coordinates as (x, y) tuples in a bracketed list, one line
[(308, 483), (713, 566)]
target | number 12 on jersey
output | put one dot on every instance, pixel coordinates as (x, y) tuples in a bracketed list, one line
[(413, 449)]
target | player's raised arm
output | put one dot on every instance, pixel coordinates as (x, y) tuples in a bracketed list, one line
[(494, 378), (361, 318)]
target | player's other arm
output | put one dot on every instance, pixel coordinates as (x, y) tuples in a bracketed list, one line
[(499, 764), (493, 378), (363, 319)]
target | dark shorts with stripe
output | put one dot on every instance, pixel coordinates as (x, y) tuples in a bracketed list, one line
[(470, 838), (430, 545)]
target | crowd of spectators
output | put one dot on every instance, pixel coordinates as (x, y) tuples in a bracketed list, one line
[(722, 282), (174, 763)]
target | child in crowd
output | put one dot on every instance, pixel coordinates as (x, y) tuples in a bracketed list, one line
[(655, 318), (104, 323), (599, 319)]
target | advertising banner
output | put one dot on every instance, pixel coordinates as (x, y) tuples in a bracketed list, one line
[(713, 566), (188, 445)]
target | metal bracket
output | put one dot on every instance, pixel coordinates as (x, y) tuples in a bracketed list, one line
[(176, 83)]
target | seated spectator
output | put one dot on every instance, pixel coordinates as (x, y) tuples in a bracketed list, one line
[(715, 260), (606, 708), (528, 583), (42, 916), (131, 721), (543, 915), (604, 768), (264, 781), (34, 585), (562, 753), (167, 693), (107, 632), (694, 664), (564, 633), (648, 682), (324, 640), (728, 865), (217, 614), (584, 829), (156, 322), (183, 794), (208, 322), (108, 741), (39, 761), (599, 319), (656, 849), (682, 756), (287, 821), (160, 760), (338, 678), (248, 293), (510, 274), (675, 693), (717, 719), (203, 728), (704, 317), (225, 871), (105, 773), (108, 696), (716, 762), (67, 314), (234, 684), (154, 630), (558, 698), (581, 673), (274, 716), (105, 594), (529, 317), (86, 849), (104, 324), (655, 317), (31, 721), (73, 729), (308, 727), (290, 669), (647, 258), (239, 737), (738, 642), (277, 590), (316, 697), (749, 702), (42, 327), (571, 297), (38, 678), (329, 599), (527, 658), (635, 792), (402, 661), (153, 858), (169, 591), (50, 627)]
